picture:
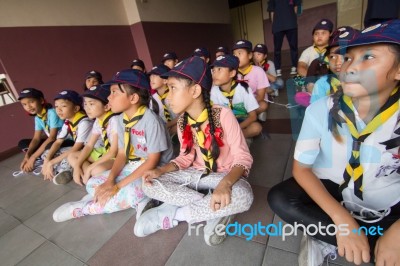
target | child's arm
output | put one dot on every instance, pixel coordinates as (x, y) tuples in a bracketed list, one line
[(387, 248), (354, 246), (47, 170), (83, 155), (260, 94), (25, 164), (302, 68), (251, 117)]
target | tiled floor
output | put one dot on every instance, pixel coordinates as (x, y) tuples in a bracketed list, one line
[(28, 235)]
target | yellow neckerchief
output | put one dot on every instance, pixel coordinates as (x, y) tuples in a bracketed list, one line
[(354, 168), (43, 116), (321, 52), (129, 123), (166, 111), (200, 136), (246, 71), (73, 124), (229, 95), (334, 84), (103, 124)]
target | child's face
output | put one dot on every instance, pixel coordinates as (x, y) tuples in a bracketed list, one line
[(138, 68), (369, 70), (180, 95), (90, 82), (94, 108), (321, 37), (222, 75), (170, 63), (32, 105), (156, 82), (118, 100), (259, 57), (335, 60), (65, 109), (218, 54), (244, 57)]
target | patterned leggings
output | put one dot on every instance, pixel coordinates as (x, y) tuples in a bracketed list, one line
[(127, 197), (61, 166), (180, 189)]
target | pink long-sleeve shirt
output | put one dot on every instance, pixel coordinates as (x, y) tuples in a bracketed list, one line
[(234, 152)]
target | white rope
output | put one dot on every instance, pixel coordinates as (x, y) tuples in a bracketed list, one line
[(288, 106)]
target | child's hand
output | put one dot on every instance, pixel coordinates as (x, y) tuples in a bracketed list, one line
[(104, 192), (387, 249), (86, 176), (221, 196), (149, 175), (22, 165), (28, 167), (47, 171), (354, 247), (78, 173)]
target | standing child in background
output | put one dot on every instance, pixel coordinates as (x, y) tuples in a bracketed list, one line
[(320, 33), (101, 148), (221, 50), (46, 120), (143, 144), (160, 85), (260, 54), (213, 155), (138, 65), (346, 160), (237, 96), (92, 78), (253, 75), (203, 53), (170, 59), (76, 128)]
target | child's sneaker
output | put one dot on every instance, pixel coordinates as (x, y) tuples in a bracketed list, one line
[(144, 205), (293, 71), (68, 211), (62, 178), (262, 116), (210, 236), (159, 218), (313, 251), (276, 93), (278, 73)]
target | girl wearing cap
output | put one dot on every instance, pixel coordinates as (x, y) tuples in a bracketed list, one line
[(101, 148), (143, 144), (213, 156), (170, 59), (93, 78), (76, 129), (160, 85), (237, 96), (346, 167), (46, 120)]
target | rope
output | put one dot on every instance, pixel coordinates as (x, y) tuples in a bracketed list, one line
[(288, 105)]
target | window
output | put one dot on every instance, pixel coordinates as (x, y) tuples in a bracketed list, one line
[(6, 93)]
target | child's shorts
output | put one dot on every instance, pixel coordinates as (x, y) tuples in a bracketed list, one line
[(97, 153)]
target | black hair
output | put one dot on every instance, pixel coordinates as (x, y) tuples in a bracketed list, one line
[(84, 84), (206, 99), (144, 96)]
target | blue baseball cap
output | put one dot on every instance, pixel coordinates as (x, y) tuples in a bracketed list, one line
[(222, 49), (70, 95), (98, 92), (261, 48), (169, 55), (133, 77), (193, 68), (138, 62), (343, 35), (323, 24), (386, 32), (94, 74), (201, 51), (159, 70), (242, 44), (30, 93), (229, 61)]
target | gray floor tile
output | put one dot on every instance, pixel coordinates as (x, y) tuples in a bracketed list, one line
[(7, 180), (13, 162), (17, 244), (42, 222), (83, 237), (233, 251), (49, 254), (7, 223), (289, 166), (291, 243), (267, 172), (259, 212), (35, 201), (278, 257)]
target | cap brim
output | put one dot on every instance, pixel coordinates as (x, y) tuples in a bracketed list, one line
[(174, 73), (94, 97)]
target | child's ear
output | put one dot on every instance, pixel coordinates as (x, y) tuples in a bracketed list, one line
[(232, 73), (107, 107), (165, 81), (250, 55), (77, 108), (196, 91), (134, 98)]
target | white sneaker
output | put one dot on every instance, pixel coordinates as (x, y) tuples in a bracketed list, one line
[(278, 73), (68, 211), (293, 71), (276, 93), (144, 205), (313, 251), (159, 218), (262, 116), (210, 236)]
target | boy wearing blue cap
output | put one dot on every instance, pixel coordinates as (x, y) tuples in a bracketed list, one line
[(235, 95), (101, 148), (203, 53), (321, 32), (77, 127), (170, 59), (160, 85), (138, 65)]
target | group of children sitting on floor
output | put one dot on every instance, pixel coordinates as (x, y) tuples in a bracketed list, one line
[(346, 160)]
